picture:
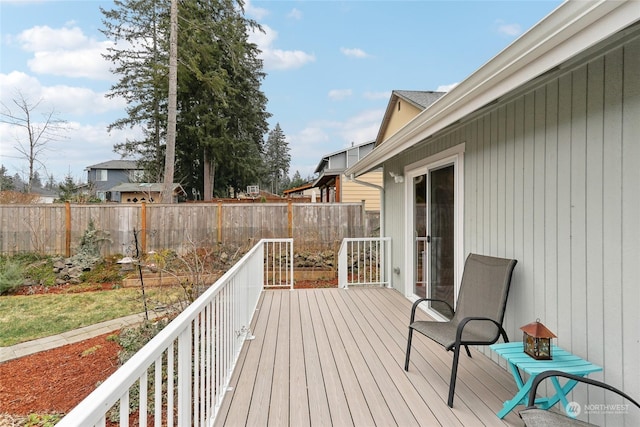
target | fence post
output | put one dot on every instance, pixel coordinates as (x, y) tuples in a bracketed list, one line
[(143, 227), (219, 221), (67, 243)]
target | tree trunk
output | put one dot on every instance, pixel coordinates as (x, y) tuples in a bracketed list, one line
[(169, 161), (209, 177)]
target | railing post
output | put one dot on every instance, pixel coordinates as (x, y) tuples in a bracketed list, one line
[(342, 265), (290, 219), (387, 262), (291, 276)]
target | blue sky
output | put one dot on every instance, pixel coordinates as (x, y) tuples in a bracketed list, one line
[(331, 67)]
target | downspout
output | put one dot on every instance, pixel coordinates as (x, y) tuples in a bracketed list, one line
[(352, 178)]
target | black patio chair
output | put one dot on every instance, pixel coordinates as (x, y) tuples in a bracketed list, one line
[(536, 417), (477, 319)]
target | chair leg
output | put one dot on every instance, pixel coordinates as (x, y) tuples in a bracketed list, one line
[(406, 359), (466, 347), (454, 374)]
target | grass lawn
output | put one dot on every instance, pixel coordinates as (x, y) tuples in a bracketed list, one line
[(24, 318)]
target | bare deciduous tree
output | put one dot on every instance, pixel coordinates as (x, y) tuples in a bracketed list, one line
[(35, 135)]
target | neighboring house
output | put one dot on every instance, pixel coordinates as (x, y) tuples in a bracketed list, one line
[(305, 191), (44, 195), (103, 176), (143, 192), (535, 156), (403, 106), (334, 187)]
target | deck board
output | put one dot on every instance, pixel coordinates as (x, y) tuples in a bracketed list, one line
[(333, 357)]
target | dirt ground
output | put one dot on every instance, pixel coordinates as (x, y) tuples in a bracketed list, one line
[(55, 381)]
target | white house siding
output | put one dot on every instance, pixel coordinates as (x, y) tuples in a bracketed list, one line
[(552, 178)]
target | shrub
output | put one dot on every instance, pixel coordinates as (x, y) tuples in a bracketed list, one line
[(40, 272), (10, 277), (132, 340), (104, 272)]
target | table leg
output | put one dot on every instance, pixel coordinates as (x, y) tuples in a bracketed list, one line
[(521, 396), (561, 393)]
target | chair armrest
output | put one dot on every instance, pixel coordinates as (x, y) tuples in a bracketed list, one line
[(552, 373), (466, 320), (415, 306)]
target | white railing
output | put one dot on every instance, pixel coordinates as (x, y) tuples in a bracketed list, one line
[(364, 261), (182, 374)]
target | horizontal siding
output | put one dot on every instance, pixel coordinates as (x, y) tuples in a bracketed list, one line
[(353, 192)]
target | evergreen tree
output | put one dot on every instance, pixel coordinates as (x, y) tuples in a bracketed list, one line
[(221, 110), (297, 181), (6, 182), (277, 160), (139, 30), (51, 183), (36, 182), (66, 189)]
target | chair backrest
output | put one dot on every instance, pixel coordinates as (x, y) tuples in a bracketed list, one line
[(483, 292)]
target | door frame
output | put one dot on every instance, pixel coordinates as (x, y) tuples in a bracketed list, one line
[(455, 156)]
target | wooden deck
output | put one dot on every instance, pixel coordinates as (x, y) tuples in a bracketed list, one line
[(333, 357)]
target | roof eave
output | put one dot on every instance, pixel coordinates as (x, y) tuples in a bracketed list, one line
[(571, 28)]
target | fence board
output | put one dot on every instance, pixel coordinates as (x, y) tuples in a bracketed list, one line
[(42, 228)]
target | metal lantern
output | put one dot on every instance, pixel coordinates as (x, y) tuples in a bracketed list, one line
[(536, 340)]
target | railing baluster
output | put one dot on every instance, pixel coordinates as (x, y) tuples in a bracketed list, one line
[(207, 337), (158, 393), (144, 386), (124, 410), (170, 390)]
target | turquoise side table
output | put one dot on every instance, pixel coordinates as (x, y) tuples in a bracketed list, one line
[(519, 361)]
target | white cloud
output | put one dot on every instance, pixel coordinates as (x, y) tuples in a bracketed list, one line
[(278, 59), (295, 14), (362, 127), (374, 96), (45, 38), (354, 53), (340, 94), (81, 100), (16, 82), (66, 52), (510, 30), (254, 11), (446, 88), (64, 99)]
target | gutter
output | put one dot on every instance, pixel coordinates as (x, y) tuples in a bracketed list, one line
[(570, 29)]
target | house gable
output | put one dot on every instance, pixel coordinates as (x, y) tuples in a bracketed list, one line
[(103, 176), (404, 106)]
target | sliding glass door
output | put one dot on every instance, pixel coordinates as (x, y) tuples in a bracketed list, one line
[(434, 219)]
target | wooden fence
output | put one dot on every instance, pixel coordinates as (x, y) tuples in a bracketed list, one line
[(57, 229)]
